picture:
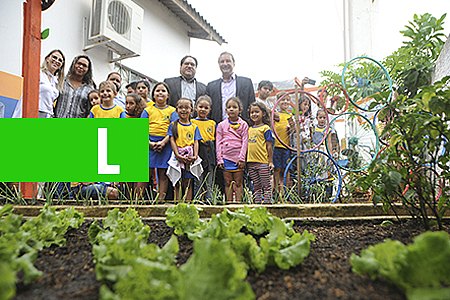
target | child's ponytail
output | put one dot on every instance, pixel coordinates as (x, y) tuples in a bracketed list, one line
[(175, 129)]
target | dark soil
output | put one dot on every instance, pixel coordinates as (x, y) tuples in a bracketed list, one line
[(325, 274)]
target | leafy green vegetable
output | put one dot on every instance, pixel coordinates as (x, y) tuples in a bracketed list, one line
[(419, 268), (123, 256), (281, 246), (50, 226), (223, 252), (214, 272), (123, 240), (7, 280), (20, 243), (285, 247), (257, 220), (428, 294), (379, 260), (148, 278), (183, 218)]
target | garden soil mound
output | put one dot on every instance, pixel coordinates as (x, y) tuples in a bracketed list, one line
[(325, 274)]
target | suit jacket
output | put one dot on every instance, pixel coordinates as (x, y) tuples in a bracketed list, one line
[(174, 84), (244, 91)]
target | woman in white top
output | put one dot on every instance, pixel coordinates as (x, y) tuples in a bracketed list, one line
[(51, 82)]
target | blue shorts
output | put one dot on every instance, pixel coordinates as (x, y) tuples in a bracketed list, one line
[(229, 165), (185, 174), (281, 157)]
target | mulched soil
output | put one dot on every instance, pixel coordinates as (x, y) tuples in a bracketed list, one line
[(325, 274)]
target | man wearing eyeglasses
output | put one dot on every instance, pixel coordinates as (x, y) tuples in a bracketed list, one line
[(185, 85)]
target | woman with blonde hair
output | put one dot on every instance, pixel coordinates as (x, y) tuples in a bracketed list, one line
[(50, 82)]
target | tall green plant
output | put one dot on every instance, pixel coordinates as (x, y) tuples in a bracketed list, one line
[(415, 167), (411, 65)]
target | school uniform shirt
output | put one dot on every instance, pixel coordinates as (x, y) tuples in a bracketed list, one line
[(257, 138), (159, 119), (318, 134), (207, 128), (187, 134), (98, 111), (281, 129)]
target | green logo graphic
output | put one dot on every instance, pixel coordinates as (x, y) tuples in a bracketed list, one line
[(79, 150)]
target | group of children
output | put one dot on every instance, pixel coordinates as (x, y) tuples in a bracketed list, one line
[(103, 106), (236, 146), (184, 151)]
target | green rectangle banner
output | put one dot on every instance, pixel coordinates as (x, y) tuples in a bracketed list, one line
[(79, 150)]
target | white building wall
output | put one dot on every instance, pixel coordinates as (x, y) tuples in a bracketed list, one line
[(11, 34), (443, 63), (164, 40), (360, 27), (375, 24)]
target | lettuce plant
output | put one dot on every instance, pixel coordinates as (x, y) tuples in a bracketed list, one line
[(278, 244), (421, 269), (20, 242)]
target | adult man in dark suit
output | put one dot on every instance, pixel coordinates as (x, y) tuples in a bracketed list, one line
[(185, 86), (230, 85)]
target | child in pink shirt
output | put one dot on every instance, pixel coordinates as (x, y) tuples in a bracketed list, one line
[(231, 148)]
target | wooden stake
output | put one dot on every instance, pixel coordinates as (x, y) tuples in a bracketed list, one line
[(297, 132), (31, 54)]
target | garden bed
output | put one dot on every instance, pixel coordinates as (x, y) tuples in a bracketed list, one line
[(292, 211), (325, 274)]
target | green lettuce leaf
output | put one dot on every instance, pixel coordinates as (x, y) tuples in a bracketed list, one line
[(7, 281), (421, 269), (214, 272), (184, 218), (379, 260)]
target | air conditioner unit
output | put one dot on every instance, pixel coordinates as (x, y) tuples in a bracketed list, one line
[(117, 24)]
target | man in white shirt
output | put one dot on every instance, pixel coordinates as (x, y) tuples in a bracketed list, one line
[(185, 85), (229, 85)]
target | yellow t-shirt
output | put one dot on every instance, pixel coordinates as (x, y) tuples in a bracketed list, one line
[(282, 130), (207, 128), (99, 111), (158, 119), (257, 139), (187, 133)]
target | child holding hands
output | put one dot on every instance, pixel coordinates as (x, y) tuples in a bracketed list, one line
[(260, 153), (206, 149), (184, 163), (159, 116), (231, 149)]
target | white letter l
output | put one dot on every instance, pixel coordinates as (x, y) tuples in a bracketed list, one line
[(103, 167)]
